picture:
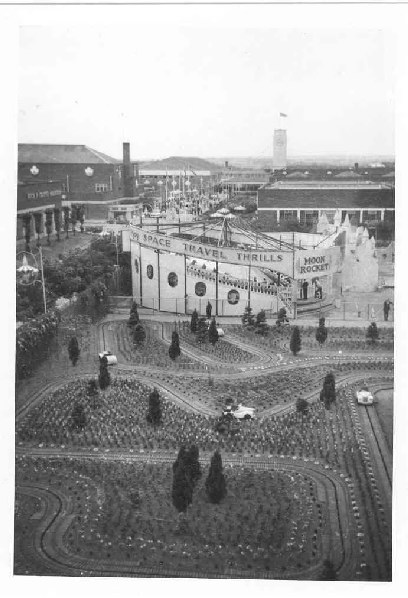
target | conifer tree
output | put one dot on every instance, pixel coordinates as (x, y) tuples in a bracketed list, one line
[(213, 332), (139, 334), (154, 415), (104, 376), (321, 332), (174, 349), (73, 350), (215, 484), (372, 332), (133, 316), (328, 392), (282, 316), (194, 321), (202, 330), (261, 326), (248, 318), (295, 341)]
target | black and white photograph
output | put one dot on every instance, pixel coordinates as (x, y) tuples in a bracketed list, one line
[(205, 251)]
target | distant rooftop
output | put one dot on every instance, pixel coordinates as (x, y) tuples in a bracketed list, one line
[(38, 153)]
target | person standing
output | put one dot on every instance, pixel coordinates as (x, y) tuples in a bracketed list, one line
[(208, 310), (304, 288), (387, 307)]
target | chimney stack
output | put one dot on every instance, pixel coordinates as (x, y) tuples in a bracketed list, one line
[(127, 173)]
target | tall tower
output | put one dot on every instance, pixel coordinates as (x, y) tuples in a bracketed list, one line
[(127, 173), (279, 149)]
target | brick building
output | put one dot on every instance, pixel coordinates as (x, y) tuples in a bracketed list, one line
[(87, 176)]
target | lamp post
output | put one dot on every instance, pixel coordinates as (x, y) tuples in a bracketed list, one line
[(28, 273), (340, 354)]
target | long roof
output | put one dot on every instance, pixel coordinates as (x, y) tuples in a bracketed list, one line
[(327, 197), (39, 153)]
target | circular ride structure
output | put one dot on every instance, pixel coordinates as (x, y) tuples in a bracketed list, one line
[(179, 267)]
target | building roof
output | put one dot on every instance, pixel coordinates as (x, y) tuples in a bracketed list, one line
[(39, 153), (171, 172), (354, 197), (347, 174)]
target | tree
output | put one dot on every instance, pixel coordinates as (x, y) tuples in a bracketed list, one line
[(215, 484), (328, 572), (192, 464), (174, 349), (73, 350), (154, 415), (133, 316), (104, 376), (139, 334), (248, 318), (213, 332), (295, 340), (372, 333), (261, 326), (202, 330), (182, 490), (328, 392), (321, 332), (74, 218), (208, 310), (194, 321), (78, 416), (282, 316)]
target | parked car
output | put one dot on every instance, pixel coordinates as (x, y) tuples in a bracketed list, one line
[(364, 396), (239, 412), (111, 359)]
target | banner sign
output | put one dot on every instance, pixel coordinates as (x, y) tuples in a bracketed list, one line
[(298, 264)]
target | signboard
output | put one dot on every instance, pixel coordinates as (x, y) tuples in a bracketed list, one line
[(298, 264)]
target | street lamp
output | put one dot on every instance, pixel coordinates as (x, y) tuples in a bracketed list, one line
[(27, 275), (340, 354)]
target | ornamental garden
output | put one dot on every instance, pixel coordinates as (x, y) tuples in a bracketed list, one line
[(137, 469)]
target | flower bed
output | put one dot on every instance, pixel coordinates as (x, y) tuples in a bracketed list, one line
[(346, 339), (268, 522), (223, 350), (152, 351)]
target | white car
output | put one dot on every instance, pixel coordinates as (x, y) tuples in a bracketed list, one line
[(112, 359), (240, 412), (364, 397)]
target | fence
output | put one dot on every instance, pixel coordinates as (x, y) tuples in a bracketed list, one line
[(360, 311)]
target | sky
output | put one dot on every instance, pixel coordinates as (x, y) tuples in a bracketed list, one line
[(207, 92)]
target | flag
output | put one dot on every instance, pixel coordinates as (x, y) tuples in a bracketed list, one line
[(283, 114)]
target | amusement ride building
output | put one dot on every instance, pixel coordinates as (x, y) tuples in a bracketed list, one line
[(181, 267)]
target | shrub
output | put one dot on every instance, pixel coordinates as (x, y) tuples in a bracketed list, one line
[(215, 484), (213, 332), (73, 350), (372, 333), (194, 321), (104, 376), (248, 318), (295, 341), (321, 332), (174, 349), (154, 414), (139, 334)]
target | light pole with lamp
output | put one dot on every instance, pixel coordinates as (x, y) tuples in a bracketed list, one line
[(28, 274), (340, 354)]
